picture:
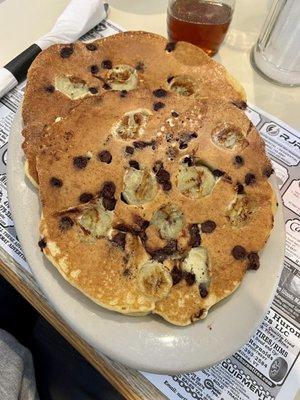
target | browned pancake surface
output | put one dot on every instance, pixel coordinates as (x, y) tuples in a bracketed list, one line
[(223, 215), (90, 67)]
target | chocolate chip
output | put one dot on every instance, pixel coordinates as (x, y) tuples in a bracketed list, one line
[(241, 104), (183, 145), (106, 86), (141, 222), (94, 69), (239, 188), (120, 239), (126, 228), (177, 275), (106, 64), (85, 197), (170, 46), (208, 226), (80, 162), (160, 93), (109, 203), (170, 78), (268, 171), (165, 252), (189, 278), (188, 136), (174, 114), (140, 66), (129, 150), (158, 105), (249, 179), (239, 252), (167, 186), (107, 192), (123, 93), (185, 138), (65, 223), (105, 156), (188, 160), (93, 90), (49, 88), (134, 164), (162, 176), (42, 244), (253, 261), (135, 231), (56, 182), (66, 51), (108, 189), (203, 290), (91, 47), (195, 238), (238, 161), (217, 173), (141, 145)]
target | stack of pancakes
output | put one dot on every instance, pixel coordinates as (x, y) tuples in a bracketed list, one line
[(153, 182)]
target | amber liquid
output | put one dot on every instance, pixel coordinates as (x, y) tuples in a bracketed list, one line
[(201, 23)]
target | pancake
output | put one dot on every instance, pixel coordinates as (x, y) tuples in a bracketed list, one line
[(63, 75), (104, 132), (167, 215)]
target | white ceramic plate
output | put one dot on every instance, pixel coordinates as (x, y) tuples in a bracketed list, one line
[(145, 343)]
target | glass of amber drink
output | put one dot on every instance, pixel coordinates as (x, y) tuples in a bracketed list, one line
[(200, 22)]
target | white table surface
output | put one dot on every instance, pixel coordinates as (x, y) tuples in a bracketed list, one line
[(24, 21)]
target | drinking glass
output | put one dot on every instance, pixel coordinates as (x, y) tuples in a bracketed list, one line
[(276, 55), (200, 22)]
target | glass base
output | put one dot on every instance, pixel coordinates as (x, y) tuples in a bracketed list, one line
[(269, 72)]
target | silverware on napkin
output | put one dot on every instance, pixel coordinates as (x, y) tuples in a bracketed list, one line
[(78, 18)]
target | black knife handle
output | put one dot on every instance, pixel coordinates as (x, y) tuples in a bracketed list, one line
[(20, 65)]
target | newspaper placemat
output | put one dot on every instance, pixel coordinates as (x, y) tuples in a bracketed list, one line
[(8, 107), (267, 367)]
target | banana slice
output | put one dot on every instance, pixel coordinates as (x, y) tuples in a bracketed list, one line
[(228, 137), (122, 77), (72, 87), (96, 220), (197, 263), (140, 186), (132, 124), (154, 280), (182, 85), (240, 211), (195, 181), (169, 221)]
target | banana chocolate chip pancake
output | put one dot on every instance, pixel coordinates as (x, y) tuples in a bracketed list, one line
[(168, 208), (105, 135), (63, 75)]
